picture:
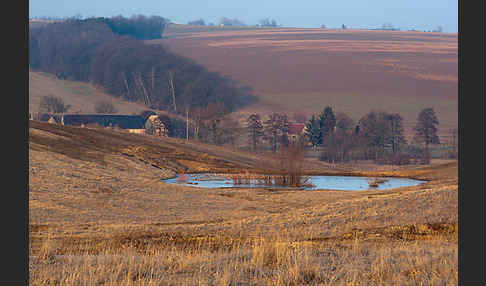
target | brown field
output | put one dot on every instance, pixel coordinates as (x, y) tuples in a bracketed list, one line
[(303, 70), (100, 214)]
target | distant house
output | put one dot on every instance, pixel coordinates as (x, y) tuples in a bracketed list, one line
[(52, 120), (131, 123), (46, 117), (156, 126), (296, 130)]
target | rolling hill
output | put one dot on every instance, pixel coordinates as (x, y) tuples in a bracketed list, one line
[(304, 70), (80, 95), (100, 213)]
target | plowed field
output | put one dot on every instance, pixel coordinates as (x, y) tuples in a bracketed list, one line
[(304, 70)]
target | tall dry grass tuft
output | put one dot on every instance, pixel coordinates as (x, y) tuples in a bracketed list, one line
[(269, 260), (182, 178), (47, 251)]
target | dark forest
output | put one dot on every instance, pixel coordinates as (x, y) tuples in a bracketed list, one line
[(110, 53)]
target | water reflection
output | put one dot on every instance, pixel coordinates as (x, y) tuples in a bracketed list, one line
[(347, 183)]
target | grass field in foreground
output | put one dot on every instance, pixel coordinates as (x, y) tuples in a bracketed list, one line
[(99, 214)]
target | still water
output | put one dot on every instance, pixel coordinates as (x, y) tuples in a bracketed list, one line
[(345, 183)]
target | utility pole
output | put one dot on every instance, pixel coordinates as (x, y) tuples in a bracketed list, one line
[(187, 123), (171, 89)]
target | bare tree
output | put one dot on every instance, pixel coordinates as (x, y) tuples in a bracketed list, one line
[(291, 163), (206, 120), (230, 130), (426, 128), (300, 117), (387, 26), (344, 122), (454, 135), (255, 130), (171, 89), (276, 125), (396, 137), (375, 132), (438, 30), (338, 146), (50, 103), (231, 22), (198, 22), (267, 22), (106, 107)]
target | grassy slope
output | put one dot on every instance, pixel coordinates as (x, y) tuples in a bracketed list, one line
[(81, 96), (97, 191)]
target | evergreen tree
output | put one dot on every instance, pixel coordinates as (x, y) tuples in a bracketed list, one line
[(327, 121), (313, 131)]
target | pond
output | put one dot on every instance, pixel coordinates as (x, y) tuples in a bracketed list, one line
[(345, 183)]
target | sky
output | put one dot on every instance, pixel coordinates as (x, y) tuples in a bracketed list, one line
[(359, 14)]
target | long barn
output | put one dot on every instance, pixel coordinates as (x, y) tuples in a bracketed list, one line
[(131, 123)]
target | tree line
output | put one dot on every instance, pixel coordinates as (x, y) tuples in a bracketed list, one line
[(109, 54), (225, 21), (377, 136)]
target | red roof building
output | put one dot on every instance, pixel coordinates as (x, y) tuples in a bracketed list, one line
[(296, 128)]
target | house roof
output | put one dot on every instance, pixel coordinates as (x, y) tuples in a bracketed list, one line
[(122, 121), (44, 116), (296, 128)]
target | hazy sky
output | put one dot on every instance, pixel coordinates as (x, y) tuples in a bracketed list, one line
[(403, 14)]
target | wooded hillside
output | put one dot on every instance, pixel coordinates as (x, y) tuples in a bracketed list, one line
[(108, 54)]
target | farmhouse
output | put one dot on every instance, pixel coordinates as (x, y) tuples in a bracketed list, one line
[(295, 131), (41, 116), (156, 126), (131, 123)]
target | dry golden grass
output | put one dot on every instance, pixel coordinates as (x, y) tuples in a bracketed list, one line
[(264, 263), (99, 214), (82, 97)]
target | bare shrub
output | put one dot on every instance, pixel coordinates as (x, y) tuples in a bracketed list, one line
[(51, 103), (399, 158), (290, 168), (106, 107)]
